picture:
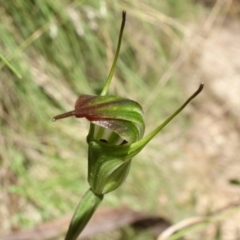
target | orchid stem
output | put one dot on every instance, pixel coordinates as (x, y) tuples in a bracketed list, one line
[(83, 213)]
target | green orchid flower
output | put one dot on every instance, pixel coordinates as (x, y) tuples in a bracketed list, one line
[(115, 137)]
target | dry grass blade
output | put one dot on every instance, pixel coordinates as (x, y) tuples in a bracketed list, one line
[(188, 225)]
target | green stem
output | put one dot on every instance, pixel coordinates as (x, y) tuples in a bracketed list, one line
[(110, 75), (83, 213)]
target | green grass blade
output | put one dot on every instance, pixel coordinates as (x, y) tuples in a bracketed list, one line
[(7, 63)]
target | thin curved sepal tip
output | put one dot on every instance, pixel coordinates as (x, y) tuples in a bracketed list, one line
[(200, 88), (123, 16), (138, 146), (110, 75), (64, 115), (123, 21)]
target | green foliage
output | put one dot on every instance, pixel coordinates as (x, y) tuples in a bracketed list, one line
[(62, 49)]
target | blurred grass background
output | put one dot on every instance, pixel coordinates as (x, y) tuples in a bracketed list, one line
[(63, 49)]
